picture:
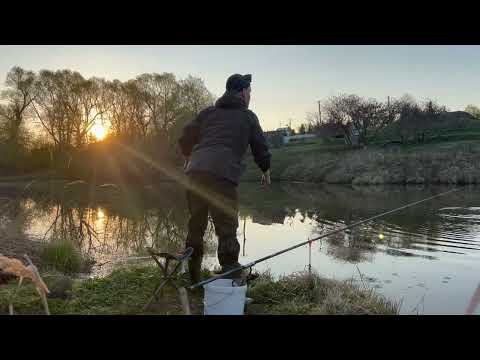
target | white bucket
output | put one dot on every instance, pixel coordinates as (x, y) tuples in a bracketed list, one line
[(221, 298)]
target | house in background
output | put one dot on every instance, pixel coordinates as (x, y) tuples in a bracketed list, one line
[(276, 138), (283, 136), (339, 131), (299, 137)]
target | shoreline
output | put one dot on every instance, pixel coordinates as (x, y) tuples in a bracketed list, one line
[(127, 290), (434, 164)]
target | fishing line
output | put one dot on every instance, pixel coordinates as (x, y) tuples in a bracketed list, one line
[(253, 263)]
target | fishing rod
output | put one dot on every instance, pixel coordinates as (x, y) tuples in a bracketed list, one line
[(253, 263)]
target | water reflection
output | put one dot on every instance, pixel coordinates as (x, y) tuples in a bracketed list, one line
[(104, 230), (443, 231), (127, 225), (417, 227)]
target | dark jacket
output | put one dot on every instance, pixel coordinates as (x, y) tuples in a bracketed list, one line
[(217, 139)]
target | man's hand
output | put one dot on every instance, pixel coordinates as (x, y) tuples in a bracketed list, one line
[(266, 178), (185, 162)]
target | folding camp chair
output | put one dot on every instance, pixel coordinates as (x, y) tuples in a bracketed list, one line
[(170, 276)]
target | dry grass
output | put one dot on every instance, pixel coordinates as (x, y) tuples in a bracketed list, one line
[(443, 163), (306, 294)]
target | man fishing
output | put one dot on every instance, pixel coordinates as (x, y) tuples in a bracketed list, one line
[(214, 145)]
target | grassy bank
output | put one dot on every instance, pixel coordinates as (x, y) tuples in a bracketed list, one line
[(128, 289), (435, 163), (305, 294)]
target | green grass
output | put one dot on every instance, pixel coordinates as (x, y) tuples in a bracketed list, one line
[(414, 162), (126, 290), (283, 157), (62, 255), (446, 134)]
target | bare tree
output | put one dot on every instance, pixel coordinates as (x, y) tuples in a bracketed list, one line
[(136, 111), (414, 120), (313, 120), (152, 93), (49, 107), (88, 97), (344, 110), (161, 95), (117, 104), (154, 104), (16, 109), (68, 106), (352, 112), (195, 95)]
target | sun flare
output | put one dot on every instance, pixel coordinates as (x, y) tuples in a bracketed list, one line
[(99, 131)]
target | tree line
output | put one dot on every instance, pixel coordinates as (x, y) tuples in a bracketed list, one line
[(404, 117), (57, 109)]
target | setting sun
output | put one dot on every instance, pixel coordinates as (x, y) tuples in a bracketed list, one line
[(99, 131), (100, 214)]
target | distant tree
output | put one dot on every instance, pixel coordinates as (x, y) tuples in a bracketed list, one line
[(121, 103), (195, 95), (55, 106), (301, 129), (139, 119), (368, 116), (161, 94), (16, 107), (148, 110), (414, 120), (473, 110), (89, 107), (432, 108), (313, 119)]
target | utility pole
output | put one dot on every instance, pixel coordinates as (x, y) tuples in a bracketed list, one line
[(388, 107), (319, 113)]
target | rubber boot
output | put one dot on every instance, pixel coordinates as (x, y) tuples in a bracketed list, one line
[(194, 269), (239, 276)]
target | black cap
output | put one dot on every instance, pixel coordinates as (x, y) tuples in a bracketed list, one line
[(238, 82)]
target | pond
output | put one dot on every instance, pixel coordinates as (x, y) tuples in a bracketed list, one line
[(426, 256)]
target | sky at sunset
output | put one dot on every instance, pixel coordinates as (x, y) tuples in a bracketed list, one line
[(287, 80)]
